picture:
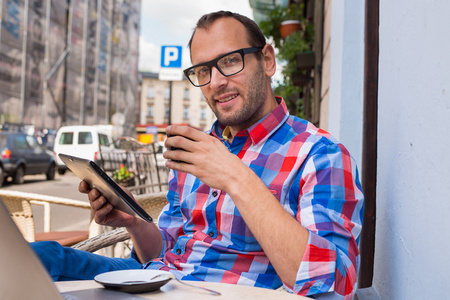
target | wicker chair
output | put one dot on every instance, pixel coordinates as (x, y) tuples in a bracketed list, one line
[(100, 239), (19, 206), (116, 242)]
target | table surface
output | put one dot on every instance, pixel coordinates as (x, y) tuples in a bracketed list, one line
[(175, 290)]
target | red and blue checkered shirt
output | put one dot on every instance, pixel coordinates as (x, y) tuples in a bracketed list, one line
[(313, 177)]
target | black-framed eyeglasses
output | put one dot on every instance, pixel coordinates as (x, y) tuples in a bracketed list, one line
[(228, 64)]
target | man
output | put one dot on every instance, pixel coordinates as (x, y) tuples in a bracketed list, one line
[(263, 199)]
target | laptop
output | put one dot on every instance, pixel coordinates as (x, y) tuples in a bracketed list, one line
[(23, 276)]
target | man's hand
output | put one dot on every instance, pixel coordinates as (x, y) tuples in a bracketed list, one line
[(104, 213), (147, 240), (203, 156)]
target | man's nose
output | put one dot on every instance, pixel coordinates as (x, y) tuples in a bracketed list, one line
[(217, 79)]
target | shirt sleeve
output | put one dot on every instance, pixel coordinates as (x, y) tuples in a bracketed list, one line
[(331, 209)]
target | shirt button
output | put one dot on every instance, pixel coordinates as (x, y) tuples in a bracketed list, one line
[(178, 251), (214, 193), (211, 234)]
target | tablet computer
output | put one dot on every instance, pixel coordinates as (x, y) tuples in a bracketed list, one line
[(90, 172)]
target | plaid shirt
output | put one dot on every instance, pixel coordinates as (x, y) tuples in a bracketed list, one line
[(314, 179)]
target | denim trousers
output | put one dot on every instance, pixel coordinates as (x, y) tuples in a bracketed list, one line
[(65, 263)]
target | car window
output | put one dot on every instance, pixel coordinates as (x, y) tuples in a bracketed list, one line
[(32, 142), (21, 142), (103, 138), (66, 138), (3, 141), (84, 138)]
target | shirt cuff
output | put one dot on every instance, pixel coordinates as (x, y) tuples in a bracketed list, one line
[(316, 272)]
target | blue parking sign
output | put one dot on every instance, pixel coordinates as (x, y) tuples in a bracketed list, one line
[(171, 56)]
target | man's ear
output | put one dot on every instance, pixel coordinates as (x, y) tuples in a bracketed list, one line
[(268, 60)]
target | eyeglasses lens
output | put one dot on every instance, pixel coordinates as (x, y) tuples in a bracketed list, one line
[(227, 65)]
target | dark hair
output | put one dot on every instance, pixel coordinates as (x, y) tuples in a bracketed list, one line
[(254, 34)]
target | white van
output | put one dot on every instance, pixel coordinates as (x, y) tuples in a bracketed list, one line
[(82, 141)]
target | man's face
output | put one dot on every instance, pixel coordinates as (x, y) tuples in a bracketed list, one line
[(239, 100)]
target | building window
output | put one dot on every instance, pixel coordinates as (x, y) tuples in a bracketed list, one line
[(186, 112), (203, 113), (167, 93), (150, 92), (186, 94), (202, 97), (150, 111)]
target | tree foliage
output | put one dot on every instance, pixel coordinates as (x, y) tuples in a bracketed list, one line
[(297, 42)]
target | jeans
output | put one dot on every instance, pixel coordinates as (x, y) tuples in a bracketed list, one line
[(65, 263)]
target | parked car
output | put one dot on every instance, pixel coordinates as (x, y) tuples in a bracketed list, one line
[(82, 141), (21, 154)]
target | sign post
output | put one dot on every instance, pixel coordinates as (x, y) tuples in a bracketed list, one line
[(171, 59)]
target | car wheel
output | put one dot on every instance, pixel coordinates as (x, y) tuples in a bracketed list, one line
[(61, 171), (2, 176), (51, 172), (18, 175)]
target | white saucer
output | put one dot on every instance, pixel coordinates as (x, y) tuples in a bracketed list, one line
[(134, 281)]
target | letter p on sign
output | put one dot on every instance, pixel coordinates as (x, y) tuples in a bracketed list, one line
[(171, 56)]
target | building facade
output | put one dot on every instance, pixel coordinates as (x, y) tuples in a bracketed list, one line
[(170, 102), (69, 62)]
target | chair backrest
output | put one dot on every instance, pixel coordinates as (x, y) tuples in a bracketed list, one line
[(19, 205), (22, 214), (153, 203), (111, 242)]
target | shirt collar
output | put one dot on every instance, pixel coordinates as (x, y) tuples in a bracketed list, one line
[(226, 134), (261, 129)]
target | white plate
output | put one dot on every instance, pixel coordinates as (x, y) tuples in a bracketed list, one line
[(134, 281)]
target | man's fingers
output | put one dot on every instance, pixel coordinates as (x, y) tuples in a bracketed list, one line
[(100, 215), (83, 187), (94, 194), (186, 131), (98, 203)]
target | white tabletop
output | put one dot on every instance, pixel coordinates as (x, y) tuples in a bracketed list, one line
[(175, 290)]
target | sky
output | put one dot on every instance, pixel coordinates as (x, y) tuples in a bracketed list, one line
[(170, 23)]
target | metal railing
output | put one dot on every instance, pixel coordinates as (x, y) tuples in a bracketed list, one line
[(146, 166)]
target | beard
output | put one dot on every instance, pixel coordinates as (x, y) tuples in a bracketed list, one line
[(253, 102)]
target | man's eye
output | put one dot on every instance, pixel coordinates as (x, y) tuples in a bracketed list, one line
[(202, 71), (230, 60)]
